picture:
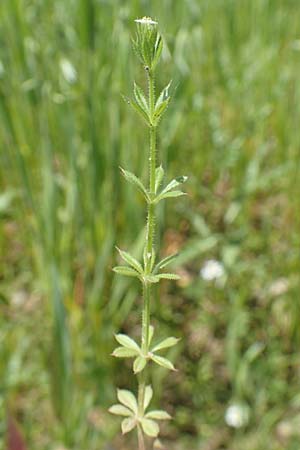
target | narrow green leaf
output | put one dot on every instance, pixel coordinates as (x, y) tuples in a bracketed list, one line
[(120, 410), (128, 399), (128, 425), (159, 175), (127, 342), (168, 276), (147, 50), (168, 195), (152, 262), (150, 427), (140, 98), (135, 181), (127, 271), (122, 352), (174, 183), (159, 111), (164, 362), (141, 112), (149, 256), (138, 109), (151, 332), (164, 262), (158, 415), (148, 396), (139, 364), (158, 50), (152, 278), (166, 343), (131, 260), (164, 95)]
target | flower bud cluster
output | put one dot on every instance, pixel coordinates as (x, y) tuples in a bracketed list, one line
[(147, 43)]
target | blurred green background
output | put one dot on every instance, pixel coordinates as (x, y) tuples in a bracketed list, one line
[(233, 128)]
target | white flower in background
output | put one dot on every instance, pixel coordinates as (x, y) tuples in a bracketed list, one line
[(279, 287), (237, 415), (68, 70), (146, 21), (212, 270)]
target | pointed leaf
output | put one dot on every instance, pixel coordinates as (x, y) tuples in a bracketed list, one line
[(164, 362), (151, 332), (139, 364), (164, 262), (168, 276), (152, 262), (158, 50), (128, 425), (128, 399), (158, 415), (131, 260), (174, 183), (120, 410), (122, 352), (164, 95), (166, 343), (159, 111), (168, 195), (127, 342), (138, 109), (149, 256), (159, 175), (150, 427), (148, 396), (127, 271), (135, 181), (140, 98)]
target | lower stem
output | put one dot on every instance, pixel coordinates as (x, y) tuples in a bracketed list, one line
[(141, 439), (145, 345)]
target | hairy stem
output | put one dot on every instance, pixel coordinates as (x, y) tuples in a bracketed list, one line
[(149, 250)]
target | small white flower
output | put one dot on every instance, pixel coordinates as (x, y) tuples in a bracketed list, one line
[(279, 287), (68, 70), (146, 21), (212, 270), (19, 298), (237, 415)]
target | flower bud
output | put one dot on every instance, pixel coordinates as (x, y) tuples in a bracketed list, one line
[(148, 43)]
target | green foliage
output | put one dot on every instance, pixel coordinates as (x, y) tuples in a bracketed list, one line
[(148, 46), (166, 343), (233, 126), (128, 408), (136, 182)]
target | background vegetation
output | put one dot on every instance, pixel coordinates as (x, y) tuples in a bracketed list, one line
[(233, 127)]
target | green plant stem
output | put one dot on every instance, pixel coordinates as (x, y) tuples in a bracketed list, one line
[(141, 439), (149, 250)]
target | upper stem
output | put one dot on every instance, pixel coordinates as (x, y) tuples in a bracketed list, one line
[(152, 168), (151, 83)]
